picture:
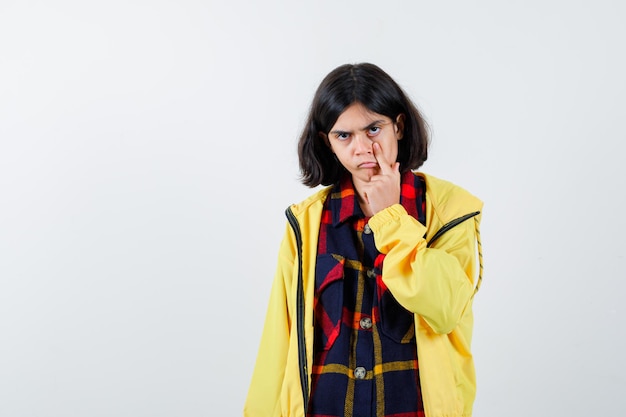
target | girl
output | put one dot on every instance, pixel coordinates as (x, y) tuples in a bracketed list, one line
[(370, 312)]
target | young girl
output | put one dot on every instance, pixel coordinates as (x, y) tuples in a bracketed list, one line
[(370, 312)]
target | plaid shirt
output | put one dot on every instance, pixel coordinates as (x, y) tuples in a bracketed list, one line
[(365, 358)]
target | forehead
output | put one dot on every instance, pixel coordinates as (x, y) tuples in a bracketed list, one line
[(357, 116)]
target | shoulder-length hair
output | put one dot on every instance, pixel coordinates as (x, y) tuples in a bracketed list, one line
[(369, 85)]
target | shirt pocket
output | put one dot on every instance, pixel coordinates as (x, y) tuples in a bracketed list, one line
[(396, 322), (328, 299)]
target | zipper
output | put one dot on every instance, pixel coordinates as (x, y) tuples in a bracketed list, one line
[(449, 226), (304, 379)]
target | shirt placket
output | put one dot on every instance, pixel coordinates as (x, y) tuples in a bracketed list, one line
[(363, 343)]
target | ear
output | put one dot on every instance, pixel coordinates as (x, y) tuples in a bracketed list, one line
[(324, 137), (399, 124)]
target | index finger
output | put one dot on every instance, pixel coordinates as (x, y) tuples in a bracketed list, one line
[(386, 167)]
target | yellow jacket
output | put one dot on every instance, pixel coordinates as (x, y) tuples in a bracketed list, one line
[(434, 277)]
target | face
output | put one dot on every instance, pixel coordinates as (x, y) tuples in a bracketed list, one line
[(352, 136)]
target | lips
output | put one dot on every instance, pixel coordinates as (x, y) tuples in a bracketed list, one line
[(368, 165)]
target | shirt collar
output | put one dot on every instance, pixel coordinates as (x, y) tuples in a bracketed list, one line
[(344, 202)]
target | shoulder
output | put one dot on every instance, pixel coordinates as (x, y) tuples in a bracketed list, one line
[(313, 203), (449, 200)]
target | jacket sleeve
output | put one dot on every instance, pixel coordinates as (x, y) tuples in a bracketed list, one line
[(263, 398), (435, 283)]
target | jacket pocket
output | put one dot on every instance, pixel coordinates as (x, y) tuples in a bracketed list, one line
[(396, 322), (328, 299)]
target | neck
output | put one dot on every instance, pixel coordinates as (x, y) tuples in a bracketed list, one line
[(365, 207)]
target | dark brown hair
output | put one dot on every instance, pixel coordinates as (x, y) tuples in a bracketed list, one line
[(378, 92)]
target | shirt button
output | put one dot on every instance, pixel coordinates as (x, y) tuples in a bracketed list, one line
[(371, 273), (359, 373), (367, 229), (365, 323)]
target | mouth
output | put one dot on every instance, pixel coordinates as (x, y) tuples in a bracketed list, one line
[(368, 165)]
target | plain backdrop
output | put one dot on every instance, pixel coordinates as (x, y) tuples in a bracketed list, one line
[(148, 151)]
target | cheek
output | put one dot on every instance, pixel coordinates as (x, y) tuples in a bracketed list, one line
[(341, 157), (393, 150)]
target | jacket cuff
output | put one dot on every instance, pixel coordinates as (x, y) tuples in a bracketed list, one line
[(391, 213), (392, 218)]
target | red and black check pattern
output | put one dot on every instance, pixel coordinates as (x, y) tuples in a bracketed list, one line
[(365, 358)]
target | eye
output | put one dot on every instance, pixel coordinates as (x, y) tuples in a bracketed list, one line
[(343, 136), (374, 130)]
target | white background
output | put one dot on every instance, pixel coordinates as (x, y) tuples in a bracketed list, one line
[(148, 151)]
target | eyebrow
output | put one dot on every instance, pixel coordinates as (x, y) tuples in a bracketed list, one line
[(368, 127)]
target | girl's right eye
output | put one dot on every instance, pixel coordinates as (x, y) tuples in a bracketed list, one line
[(343, 136)]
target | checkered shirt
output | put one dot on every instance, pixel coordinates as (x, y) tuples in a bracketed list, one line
[(365, 357)]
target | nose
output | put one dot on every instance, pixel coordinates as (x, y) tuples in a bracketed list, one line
[(363, 144)]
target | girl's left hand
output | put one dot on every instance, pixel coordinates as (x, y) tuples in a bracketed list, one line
[(383, 189)]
